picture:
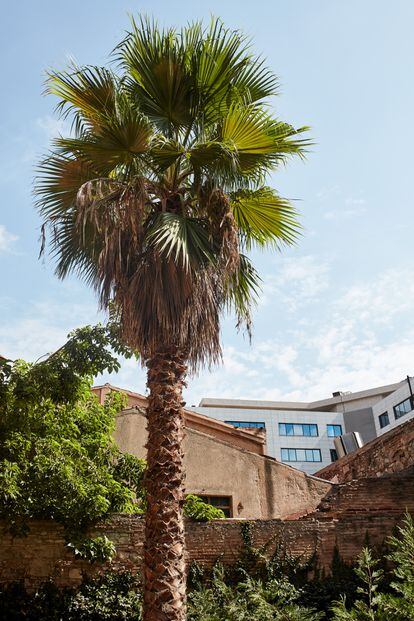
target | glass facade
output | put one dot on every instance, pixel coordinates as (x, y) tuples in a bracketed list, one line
[(334, 430), (296, 454), (383, 420), (246, 424), (403, 408), (298, 429)]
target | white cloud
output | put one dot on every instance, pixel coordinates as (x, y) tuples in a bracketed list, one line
[(364, 338), (352, 207), (298, 281), (42, 327), (6, 239), (52, 127)]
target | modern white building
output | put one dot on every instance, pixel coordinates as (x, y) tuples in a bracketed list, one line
[(302, 434), (396, 408)]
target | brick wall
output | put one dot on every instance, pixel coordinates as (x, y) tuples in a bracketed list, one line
[(391, 452), (344, 519), (42, 554)]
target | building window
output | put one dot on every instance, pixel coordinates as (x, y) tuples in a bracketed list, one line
[(246, 424), (383, 420), (403, 408), (220, 502), (298, 429), (334, 430), (334, 455), (291, 454)]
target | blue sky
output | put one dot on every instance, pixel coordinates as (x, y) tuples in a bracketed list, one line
[(336, 311)]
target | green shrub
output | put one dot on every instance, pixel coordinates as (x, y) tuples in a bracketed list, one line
[(198, 510), (97, 549), (109, 597), (58, 459)]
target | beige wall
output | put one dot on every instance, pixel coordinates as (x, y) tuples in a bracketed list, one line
[(260, 487)]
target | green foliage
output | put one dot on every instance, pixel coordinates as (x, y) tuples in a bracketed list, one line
[(253, 590), (163, 182), (112, 597), (57, 457), (374, 605), (94, 549), (109, 597), (200, 511), (248, 600), (400, 605), (366, 608)]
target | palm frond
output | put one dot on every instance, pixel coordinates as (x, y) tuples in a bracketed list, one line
[(243, 289), (263, 217), (57, 184), (88, 93), (155, 62), (185, 240)]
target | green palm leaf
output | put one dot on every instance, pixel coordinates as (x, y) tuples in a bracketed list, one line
[(264, 217), (183, 239), (158, 76), (89, 93)]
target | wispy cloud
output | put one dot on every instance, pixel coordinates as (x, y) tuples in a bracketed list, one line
[(7, 239), (52, 127), (363, 338), (351, 207), (298, 281)]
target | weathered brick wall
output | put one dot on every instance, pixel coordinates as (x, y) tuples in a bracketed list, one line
[(392, 452), (42, 555), (386, 495), (348, 514)]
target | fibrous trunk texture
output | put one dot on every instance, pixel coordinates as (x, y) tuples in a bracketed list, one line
[(164, 552)]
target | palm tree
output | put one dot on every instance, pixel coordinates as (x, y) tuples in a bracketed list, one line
[(155, 199)]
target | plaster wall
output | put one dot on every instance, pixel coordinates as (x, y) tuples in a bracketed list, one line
[(259, 486)]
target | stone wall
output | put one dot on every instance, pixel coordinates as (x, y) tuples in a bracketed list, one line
[(42, 555), (349, 514), (391, 452)]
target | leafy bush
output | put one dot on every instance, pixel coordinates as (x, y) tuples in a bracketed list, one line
[(98, 549), (249, 600), (109, 597), (198, 510), (374, 605), (58, 459)]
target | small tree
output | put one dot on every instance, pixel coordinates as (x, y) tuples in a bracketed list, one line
[(58, 459)]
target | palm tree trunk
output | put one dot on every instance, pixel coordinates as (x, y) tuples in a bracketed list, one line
[(164, 552)]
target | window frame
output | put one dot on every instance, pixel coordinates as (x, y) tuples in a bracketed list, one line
[(333, 459), (410, 401), (334, 435), (246, 424), (311, 426), (296, 452), (224, 507), (381, 417)]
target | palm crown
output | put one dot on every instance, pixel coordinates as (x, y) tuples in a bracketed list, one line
[(160, 191)]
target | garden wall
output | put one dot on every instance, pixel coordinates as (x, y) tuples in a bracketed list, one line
[(350, 514), (42, 555), (391, 452)]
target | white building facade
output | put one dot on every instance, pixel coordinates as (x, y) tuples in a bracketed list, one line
[(395, 409), (302, 434)]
